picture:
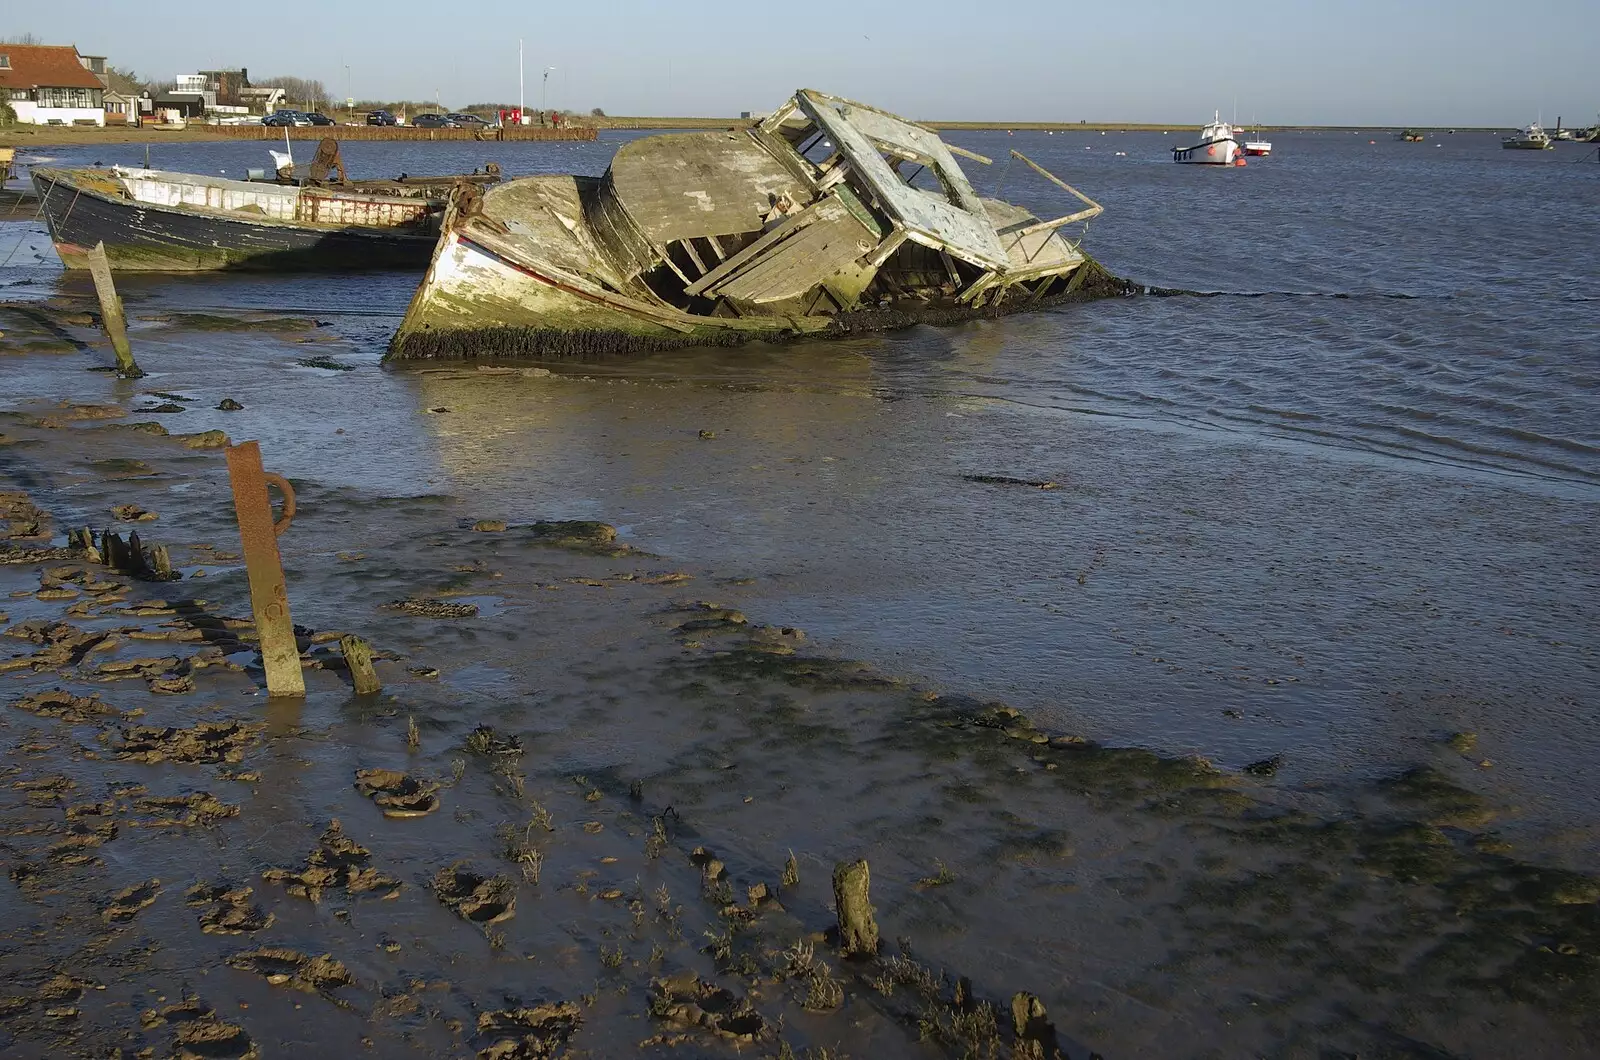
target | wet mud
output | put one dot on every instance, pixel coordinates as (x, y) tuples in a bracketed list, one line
[(600, 807)]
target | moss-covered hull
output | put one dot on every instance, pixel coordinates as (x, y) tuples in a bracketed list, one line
[(476, 301)]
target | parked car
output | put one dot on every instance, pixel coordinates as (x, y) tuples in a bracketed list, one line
[(318, 118), (469, 121), (433, 121), (380, 117), (283, 117)]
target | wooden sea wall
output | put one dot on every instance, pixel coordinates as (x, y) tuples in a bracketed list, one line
[(348, 133)]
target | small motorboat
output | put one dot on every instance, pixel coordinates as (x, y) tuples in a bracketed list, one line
[(1217, 146), (1256, 147), (1411, 136), (1533, 138)]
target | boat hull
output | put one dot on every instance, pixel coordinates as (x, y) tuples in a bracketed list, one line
[(142, 237), (1214, 153), (537, 312), (1527, 145)]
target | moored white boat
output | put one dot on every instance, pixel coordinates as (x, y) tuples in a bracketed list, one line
[(1533, 138), (1217, 146)]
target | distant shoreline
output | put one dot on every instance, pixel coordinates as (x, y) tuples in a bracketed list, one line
[(26, 135)]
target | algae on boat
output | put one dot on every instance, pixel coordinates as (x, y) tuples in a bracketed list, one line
[(828, 216)]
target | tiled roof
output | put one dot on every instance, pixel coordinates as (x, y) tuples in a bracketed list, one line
[(44, 66)]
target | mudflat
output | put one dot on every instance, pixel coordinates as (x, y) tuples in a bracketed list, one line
[(603, 806)]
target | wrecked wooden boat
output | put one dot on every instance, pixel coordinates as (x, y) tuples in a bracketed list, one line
[(159, 221), (826, 218)]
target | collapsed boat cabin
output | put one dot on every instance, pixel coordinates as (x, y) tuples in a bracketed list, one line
[(161, 221), (828, 216)]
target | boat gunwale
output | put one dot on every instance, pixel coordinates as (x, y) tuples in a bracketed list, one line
[(232, 216)]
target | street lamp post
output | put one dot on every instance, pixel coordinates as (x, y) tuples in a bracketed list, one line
[(544, 87)]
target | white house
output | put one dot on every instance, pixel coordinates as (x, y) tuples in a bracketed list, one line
[(49, 84)]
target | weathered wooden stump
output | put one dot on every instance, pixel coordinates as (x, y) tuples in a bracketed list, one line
[(83, 540), (269, 596), (111, 314), (858, 932), (358, 657), (1035, 1035), (115, 552)]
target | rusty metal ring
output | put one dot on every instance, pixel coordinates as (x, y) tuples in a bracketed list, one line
[(288, 501)]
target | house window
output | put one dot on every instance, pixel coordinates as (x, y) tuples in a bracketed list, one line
[(5, 62), (83, 98)]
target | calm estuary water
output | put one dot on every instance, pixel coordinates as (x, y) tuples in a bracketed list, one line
[(1337, 503)]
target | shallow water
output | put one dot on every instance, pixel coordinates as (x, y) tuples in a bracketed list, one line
[(1350, 499)]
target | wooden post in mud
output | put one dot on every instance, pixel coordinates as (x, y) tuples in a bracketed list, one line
[(858, 932), (358, 657), (269, 596), (111, 315)]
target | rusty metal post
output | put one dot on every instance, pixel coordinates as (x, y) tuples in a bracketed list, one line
[(111, 315), (269, 597)]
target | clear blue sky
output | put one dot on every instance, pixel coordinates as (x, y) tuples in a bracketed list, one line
[(1421, 62)]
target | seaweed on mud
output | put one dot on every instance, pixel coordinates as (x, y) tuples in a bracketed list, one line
[(61, 644), (326, 363), (199, 808), (398, 794), (126, 904), (210, 1037), (752, 666), (576, 535), (1408, 851), (60, 704), (530, 1032), (800, 964), (207, 741), (337, 863), (226, 910), (1440, 800), (425, 607), (687, 1002), (474, 897), (282, 966)]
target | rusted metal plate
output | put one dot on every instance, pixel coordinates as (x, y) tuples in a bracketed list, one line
[(269, 596)]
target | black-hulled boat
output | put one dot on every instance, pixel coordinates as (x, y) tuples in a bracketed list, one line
[(158, 221)]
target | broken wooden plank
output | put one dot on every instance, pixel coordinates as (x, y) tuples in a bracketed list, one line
[(112, 318), (269, 596), (1095, 209), (792, 223), (694, 255)]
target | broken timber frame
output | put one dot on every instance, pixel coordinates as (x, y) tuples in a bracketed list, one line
[(1094, 210)]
